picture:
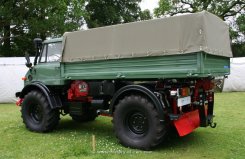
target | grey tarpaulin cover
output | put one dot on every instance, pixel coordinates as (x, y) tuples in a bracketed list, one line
[(183, 34)]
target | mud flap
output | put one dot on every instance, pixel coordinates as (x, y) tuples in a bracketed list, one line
[(187, 123)]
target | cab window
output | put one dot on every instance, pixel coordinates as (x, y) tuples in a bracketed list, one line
[(43, 54), (51, 52)]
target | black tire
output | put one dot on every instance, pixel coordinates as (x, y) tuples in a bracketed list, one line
[(136, 123), (37, 114), (88, 115)]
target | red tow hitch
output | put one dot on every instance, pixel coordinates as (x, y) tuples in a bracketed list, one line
[(19, 102)]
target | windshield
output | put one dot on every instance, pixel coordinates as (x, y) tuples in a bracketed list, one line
[(51, 52)]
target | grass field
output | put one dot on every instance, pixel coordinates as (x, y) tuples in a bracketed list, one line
[(73, 140)]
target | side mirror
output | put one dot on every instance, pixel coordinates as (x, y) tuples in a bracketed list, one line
[(38, 46), (28, 61), (38, 43)]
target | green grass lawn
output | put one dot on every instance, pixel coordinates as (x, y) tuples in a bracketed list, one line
[(73, 140)]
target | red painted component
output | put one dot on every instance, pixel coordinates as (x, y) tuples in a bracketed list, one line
[(187, 123), (206, 85), (185, 91), (107, 115), (174, 105), (206, 109), (78, 90), (19, 102)]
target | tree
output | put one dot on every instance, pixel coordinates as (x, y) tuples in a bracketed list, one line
[(238, 48), (241, 24), (109, 12), (232, 10), (21, 21), (221, 8)]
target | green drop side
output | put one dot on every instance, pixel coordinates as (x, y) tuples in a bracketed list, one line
[(194, 65), (173, 66)]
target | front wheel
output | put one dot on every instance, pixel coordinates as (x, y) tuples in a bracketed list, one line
[(37, 114), (137, 124)]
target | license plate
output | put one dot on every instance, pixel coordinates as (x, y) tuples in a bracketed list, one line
[(184, 101)]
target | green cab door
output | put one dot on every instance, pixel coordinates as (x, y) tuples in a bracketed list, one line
[(47, 70)]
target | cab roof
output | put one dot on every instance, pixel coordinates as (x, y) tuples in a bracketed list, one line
[(53, 40)]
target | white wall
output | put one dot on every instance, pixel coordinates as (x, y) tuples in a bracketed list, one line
[(236, 80), (12, 69)]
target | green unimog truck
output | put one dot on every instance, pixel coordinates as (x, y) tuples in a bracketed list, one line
[(148, 76)]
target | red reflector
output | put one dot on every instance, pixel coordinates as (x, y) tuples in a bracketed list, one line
[(19, 102), (185, 91), (187, 123), (24, 78)]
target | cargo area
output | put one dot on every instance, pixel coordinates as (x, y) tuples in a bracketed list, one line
[(172, 66), (192, 45)]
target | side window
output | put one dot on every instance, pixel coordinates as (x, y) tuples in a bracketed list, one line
[(51, 52), (43, 54), (54, 52)]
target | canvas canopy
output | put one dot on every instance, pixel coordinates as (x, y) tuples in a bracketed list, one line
[(167, 36)]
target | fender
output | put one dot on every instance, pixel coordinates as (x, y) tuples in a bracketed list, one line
[(140, 89), (54, 101)]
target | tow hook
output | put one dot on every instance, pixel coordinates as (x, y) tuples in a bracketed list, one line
[(211, 123)]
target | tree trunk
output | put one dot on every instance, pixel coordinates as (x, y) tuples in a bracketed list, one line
[(6, 38)]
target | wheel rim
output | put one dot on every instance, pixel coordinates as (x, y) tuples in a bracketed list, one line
[(36, 113), (137, 122)]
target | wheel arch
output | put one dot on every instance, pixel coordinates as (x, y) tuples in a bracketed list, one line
[(137, 89), (53, 100)]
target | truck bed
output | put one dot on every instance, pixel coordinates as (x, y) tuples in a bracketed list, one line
[(191, 65)]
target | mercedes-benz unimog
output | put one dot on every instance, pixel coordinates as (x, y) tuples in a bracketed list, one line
[(148, 76)]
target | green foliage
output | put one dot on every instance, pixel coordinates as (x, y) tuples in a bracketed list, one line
[(109, 12), (22, 21), (241, 23), (163, 8), (221, 8), (145, 15), (238, 49)]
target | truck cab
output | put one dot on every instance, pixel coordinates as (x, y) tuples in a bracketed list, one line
[(47, 69)]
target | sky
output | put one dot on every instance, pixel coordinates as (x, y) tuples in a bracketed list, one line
[(149, 4)]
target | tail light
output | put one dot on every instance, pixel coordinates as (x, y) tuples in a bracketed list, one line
[(185, 91)]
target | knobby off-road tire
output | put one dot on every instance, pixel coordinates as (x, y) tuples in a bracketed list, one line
[(37, 114), (88, 115), (136, 123)]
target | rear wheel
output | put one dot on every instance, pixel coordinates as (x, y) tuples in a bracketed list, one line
[(37, 114), (136, 123)]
